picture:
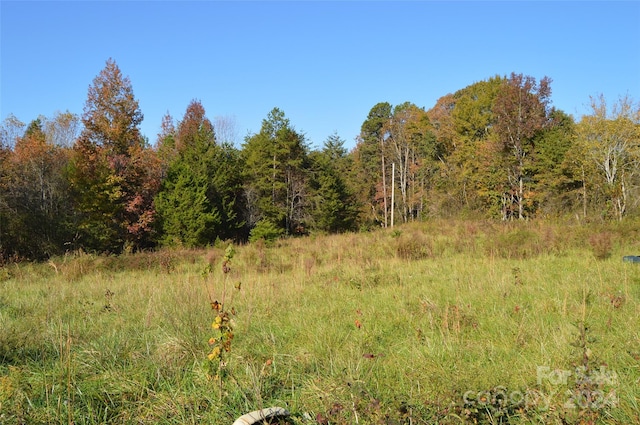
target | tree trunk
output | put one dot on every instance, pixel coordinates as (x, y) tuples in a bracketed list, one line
[(384, 188), (584, 194), (273, 180), (521, 198), (622, 199), (393, 190)]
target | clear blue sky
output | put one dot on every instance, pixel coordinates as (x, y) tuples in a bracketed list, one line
[(324, 63)]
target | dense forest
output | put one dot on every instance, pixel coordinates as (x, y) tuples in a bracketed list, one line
[(494, 149)]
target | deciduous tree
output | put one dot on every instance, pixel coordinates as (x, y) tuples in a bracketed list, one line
[(466, 180), (35, 197), (63, 129), (372, 165), (442, 124), (114, 175), (412, 150), (522, 109), (5, 209), (12, 128), (611, 139), (557, 181)]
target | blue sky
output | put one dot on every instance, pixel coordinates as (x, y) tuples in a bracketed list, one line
[(324, 63)]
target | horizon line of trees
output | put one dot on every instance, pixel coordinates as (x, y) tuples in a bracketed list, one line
[(495, 149)]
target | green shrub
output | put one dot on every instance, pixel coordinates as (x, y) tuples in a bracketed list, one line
[(265, 230)]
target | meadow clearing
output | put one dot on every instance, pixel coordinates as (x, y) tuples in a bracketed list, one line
[(437, 322)]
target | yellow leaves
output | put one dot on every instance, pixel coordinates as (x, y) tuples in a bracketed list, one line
[(222, 324), (224, 335), (113, 186), (215, 353), (216, 323)]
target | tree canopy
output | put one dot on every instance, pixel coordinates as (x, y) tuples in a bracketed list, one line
[(496, 148)]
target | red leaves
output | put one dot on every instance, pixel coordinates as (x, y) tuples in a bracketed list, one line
[(194, 127), (116, 175)]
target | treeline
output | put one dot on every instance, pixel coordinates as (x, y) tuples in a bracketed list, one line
[(494, 149)]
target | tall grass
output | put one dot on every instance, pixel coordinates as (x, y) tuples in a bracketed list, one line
[(434, 323)]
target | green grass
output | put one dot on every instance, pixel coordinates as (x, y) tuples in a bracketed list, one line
[(414, 325)]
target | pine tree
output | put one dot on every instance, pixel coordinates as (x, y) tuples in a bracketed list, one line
[(335, 206), (198, 201), (276, 187)]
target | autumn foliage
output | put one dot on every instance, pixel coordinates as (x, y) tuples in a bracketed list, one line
[(114, 174), (494, 149)]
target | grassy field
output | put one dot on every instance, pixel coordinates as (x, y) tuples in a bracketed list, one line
[(442, 322)]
